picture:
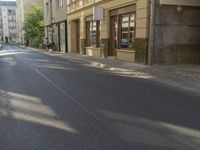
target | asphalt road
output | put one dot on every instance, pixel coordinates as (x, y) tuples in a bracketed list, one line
[(50, 103)]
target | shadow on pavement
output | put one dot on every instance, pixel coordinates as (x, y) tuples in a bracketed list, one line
[(134, 113)]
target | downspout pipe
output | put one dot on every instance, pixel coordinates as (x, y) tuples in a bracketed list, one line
[(151, 32)]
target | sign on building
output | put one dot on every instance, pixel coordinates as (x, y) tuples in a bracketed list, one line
[(98, 13)]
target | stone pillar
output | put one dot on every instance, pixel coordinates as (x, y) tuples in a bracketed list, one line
[(69, 36), (142, 29), (82, 34)]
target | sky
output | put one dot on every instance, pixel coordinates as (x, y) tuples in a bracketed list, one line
[(7, 0)]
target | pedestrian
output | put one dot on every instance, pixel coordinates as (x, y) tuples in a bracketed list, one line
[(46, 43), (54, 48)]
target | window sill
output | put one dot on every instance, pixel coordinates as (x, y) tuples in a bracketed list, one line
[(95, 48), (126, 50)]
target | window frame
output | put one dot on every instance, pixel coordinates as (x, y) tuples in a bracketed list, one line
[(130, 45), (61, 3), (90, 33), (118, 13)]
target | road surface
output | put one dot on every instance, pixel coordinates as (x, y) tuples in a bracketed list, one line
[(51, 103)]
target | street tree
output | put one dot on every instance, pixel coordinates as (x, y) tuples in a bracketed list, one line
[(33, 26)]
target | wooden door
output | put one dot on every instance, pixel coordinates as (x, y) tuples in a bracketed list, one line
[(113, 36)]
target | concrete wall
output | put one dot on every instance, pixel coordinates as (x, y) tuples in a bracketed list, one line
[(177, 34)]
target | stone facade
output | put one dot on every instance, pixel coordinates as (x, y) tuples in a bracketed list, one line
[(83, 10), (8, 21), (55, 23)]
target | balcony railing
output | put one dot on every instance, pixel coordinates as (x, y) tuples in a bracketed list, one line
[(74, 5), (13, 34), (11, 20)]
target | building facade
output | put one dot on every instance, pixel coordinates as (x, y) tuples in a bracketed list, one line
[(123, 26), (176, 31), (8, 21), (144, 31), (22, 7), (55, 23)]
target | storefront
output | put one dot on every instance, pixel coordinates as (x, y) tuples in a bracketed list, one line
[(122, 32), (116, 35), (57, 33)]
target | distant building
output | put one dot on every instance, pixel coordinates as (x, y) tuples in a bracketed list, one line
[(22, 7), (7, 21), (175, 32)]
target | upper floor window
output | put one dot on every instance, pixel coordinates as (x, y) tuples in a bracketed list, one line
[(47, 8), (61, 3), (11, 17)]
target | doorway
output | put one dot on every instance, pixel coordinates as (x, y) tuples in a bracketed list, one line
[(75, 36), (6, 39), (77, 24), (113, 36)]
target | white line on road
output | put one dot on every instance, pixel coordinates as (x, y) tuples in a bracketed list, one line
[(75, 101)]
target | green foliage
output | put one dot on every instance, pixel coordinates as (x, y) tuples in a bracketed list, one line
[(33, 26)]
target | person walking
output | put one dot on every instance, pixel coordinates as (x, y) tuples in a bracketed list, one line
[(46, 44)]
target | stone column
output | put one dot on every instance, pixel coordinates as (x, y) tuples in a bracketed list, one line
[(82, 34), (69, 36), (142, 29)]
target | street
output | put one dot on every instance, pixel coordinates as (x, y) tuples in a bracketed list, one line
[(51, 103)]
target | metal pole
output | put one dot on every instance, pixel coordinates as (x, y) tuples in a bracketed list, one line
[(151, 31)]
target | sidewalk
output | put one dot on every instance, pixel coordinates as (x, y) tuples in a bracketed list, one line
[(182, 76)]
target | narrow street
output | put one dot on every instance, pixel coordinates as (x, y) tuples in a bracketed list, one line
[(50, 103)]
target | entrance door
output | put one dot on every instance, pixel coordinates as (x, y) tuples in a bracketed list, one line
[(77, 36), (6, 39), (113, 36)]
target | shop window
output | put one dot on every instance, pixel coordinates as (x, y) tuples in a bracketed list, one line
[(127, 24), (123, 26), (92, 33), (60, 3)]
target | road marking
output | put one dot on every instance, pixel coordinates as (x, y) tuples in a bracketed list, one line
[(75, 101)]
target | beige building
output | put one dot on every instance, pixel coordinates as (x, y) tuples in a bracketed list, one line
[(121, 27), (55, 23), (145, 31), (22, 7)]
